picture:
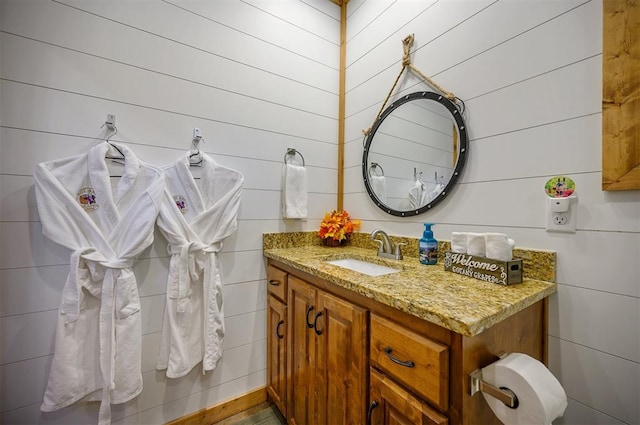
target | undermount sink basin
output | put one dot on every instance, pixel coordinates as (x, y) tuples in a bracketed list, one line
[(364, 267)]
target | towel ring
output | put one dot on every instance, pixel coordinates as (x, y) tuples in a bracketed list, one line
[(292, 151), (374, 166)]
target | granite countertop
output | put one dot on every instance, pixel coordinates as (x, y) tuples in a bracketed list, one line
[(458, 303)]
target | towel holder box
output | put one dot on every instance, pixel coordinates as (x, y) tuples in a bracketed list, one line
[(482, 268)]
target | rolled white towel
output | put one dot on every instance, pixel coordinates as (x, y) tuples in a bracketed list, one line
[(459, 242), (499, 246), (476, 244)]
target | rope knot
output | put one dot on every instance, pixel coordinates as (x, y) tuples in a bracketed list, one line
[(407, 42)]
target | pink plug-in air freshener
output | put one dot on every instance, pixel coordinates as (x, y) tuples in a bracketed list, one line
[(560, 187)]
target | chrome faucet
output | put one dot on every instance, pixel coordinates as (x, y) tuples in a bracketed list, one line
[(386, 246)]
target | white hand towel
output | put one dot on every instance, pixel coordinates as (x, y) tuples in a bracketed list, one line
[(476, 244), (416, 195), (379, 187), (294, 191), (459, 242), (499, 246)]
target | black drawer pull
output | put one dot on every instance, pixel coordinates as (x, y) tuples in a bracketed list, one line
[(280, 323), (408, 363), (309, 310), (372, 406), (274, 282), (315, 324)]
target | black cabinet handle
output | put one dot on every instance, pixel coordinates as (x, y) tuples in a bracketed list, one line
[(315, 324), (408, 363), (274, 282), (280, 323), (309, 310), (372, 406)]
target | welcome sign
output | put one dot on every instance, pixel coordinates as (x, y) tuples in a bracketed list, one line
[(487, 269)]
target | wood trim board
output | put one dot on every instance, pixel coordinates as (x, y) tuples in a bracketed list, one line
[(341, 102), (222, 411), (621, 95)]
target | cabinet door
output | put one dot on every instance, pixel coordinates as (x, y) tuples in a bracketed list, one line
[(301, 362), (393, 405), (276, 353), (342, 368)]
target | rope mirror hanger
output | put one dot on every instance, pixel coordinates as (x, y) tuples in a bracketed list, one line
[(407, 42)]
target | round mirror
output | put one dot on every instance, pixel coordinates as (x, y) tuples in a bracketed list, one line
[(414, 154)]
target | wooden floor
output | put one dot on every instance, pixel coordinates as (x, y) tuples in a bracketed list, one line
[(263, 414)]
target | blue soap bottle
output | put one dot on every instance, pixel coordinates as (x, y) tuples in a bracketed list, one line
[(428, 246)]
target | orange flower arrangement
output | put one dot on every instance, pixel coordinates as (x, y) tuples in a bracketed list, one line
[(337, 225)]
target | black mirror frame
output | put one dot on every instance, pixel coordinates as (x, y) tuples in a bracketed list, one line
[(462, 153)]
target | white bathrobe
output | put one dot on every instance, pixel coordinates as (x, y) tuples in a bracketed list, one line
[(417, 195), (97, 351), (195, 222)]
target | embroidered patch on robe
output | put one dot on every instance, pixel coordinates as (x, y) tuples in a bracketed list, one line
[(181, 203), (87, 199)]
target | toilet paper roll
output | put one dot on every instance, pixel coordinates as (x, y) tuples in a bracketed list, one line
[(476, 244), (499, 247), (541, 397)]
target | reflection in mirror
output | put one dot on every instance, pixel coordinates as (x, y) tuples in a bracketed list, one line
[(414, 153)]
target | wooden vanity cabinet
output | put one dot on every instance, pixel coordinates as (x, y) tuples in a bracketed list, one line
[(327, 362), (345, 351), (277, 337)]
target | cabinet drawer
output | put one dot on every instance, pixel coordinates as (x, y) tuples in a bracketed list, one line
[(413, 360), (277, 283), (392, 404)]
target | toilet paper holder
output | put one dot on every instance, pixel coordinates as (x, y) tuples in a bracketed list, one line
[(504, 394)]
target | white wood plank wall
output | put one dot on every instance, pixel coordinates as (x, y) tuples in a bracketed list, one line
[(255, 76), (530, 74)]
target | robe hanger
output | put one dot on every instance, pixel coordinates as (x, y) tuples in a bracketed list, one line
[(111, 125), (195, 156)]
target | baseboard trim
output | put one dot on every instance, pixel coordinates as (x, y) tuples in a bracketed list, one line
[(219, 412)]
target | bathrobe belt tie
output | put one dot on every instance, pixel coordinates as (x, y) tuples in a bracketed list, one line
[(71, 308), (71, 295), (196, 258)]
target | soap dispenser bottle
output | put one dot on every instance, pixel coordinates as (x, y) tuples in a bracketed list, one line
[(428, 246)]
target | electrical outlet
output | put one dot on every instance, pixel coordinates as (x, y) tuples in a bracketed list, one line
[(560, 219), (561, 215)]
